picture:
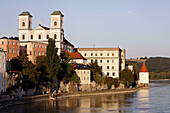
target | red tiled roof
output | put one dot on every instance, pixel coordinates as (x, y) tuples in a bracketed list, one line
[(143, 68), (76, 55), (13, 71)]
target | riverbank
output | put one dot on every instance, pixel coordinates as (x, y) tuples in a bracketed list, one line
[(31, 99)]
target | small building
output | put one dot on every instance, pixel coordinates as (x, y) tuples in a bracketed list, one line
[(2, 70), (143, 76), (83, 72), (11, 45)]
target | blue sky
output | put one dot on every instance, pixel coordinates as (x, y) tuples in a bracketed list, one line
[(142, 27)]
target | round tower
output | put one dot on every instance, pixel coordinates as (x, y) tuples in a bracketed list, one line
[(144, 76)]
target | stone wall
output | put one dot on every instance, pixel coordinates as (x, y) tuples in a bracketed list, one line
[(70, 87)]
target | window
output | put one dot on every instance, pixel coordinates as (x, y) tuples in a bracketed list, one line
[(47, 36), (12, 51), (13, 43), (8, 50), (100, 61), (2, 42), (41, 46), (112, 54), (87, 78), (8, 43), (23, 37), (107, 67), (85, 54), (39, 36), (23, 24), (112, 61), (30, 53), (91, 54), (34, 53), (107, 61), (101, 54), (31, 36), (87, 72), (108, 73), (17, 43), (34, 45), (38, 46), (113, 74), (112, 67), (55, 23), (41, 53), (38, 53), (91, 61), (55, 36), (84, 72), (96, 54), (107, 54), (101, 67)]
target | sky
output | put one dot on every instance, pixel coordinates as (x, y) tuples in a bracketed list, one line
[(142, 27)]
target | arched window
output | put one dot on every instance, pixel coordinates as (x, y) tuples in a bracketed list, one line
[(47, 36), (23, 24), (31, 36), (23, 37), (39, 36), (55, 23), (55, 36)]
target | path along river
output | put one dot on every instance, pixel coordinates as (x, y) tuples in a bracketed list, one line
[(153, 100)]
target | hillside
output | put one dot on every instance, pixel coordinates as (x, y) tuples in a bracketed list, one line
[(154, 64)]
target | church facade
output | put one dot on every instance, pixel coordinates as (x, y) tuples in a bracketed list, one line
[(41, 34)]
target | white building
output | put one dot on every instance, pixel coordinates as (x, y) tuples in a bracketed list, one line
[(143, 76), (2, 70), (42, 33), (111, 60)]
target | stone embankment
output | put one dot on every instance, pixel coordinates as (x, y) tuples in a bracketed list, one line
[(24, 100)]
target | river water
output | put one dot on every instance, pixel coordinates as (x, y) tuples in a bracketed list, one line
[(153, 100)]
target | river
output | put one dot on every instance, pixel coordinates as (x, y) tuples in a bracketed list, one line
[(153, 100)]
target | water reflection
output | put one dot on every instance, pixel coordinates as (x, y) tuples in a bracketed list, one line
[(153, 100)]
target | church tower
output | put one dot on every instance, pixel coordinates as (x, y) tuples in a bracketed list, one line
[(144, 76), (56, 29), (25, 24)]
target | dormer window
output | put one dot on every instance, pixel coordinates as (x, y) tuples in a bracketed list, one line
[(55, 23), (23, 24)]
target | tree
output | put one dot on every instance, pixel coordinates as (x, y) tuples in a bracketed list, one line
[(52, 62), (28, 71), (135, 71), (41, 69), (95, 69), (127, 77), (67, 72)]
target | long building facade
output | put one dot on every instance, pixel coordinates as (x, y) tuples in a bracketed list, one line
[(111, 60)]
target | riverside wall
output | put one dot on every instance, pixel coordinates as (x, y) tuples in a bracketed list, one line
[(24, 100)]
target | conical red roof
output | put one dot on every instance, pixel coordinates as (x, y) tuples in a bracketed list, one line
[(143, 68)]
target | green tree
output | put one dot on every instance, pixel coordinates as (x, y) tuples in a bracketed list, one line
[(67, 72), (52, 63), (28, 71), (95, 70), (41, 69), (135, 71), (127, 77)]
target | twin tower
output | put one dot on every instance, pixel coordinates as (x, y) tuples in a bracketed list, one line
[(41, 33)]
